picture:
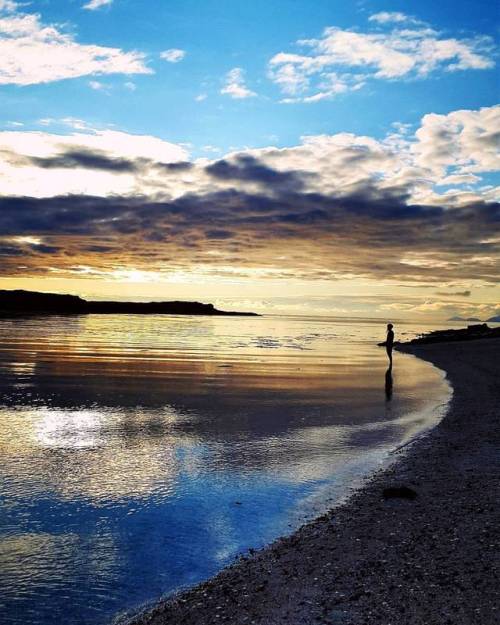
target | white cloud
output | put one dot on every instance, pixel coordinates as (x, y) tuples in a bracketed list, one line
[(32, 53), (211, 148), (200, 97), (386, 17), (459, 179), (351, 58), (174, 55), (96, 85), (331, 85), (235, 86), (429, 167), (400, 128), (8, 6), (28, 240), (71, 122), (96, 4), (466, 141), (19, 176), (131, 86)]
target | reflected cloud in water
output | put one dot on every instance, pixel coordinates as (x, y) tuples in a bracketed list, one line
[(126, 443)]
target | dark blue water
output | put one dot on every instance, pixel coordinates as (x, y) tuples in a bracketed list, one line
[(142, 454)]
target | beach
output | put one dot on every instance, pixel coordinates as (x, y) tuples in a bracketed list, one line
[(428, 558)]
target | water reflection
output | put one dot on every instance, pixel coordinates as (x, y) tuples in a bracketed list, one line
[(388, 384), (138, 454)]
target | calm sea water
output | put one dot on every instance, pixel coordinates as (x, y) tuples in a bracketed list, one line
[(141, 454)]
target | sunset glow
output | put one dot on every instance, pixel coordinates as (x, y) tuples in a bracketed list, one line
[(345, 167)]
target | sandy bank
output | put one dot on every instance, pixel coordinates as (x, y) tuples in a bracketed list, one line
[(431, 560)]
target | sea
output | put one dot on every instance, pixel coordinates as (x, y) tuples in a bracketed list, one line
[(141, 454)]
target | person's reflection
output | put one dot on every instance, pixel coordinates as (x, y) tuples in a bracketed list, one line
[(388, 383)]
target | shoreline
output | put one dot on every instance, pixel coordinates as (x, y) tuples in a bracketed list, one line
[(432, 559)]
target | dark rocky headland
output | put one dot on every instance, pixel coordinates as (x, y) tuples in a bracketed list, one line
[(470, 333), (19, 302)]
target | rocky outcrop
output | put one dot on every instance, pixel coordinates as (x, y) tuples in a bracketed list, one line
[(21, 302)]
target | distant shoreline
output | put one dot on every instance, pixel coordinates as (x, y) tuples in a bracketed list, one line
[(28, 303), (377, 559)]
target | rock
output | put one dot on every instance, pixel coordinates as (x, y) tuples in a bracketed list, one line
[(399, 492)]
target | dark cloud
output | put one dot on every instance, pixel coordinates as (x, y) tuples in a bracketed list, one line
[(99, 160), (367, 232), (86, 159), (218, 234), (454, 293), (23, 249), (41, 248), (246, 168), (11, 250), (98, 249), (173, 167)]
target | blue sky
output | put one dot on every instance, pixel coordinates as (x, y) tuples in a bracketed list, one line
[(326, 157), (219, 35)]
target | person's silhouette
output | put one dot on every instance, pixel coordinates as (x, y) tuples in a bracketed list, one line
[(388, 343)]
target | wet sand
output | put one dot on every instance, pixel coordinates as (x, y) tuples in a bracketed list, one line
[(434, 559)]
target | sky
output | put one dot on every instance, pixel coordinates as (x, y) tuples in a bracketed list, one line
[(282, 156)]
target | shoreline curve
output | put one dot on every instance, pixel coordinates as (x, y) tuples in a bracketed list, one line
[(432, 559)]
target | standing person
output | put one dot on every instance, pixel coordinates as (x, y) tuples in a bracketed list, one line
[(388, 343)]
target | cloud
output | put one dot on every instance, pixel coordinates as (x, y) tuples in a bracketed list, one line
[(249, 169), (321, 236), (100, 160), (173, 55), (8, 6), (33, 53), (446, 307), (387, 17), (342, 60), (23, 246), (442, 163), (83, 161), (466, 140), (96, 4), (96, 85), (235, 86), (454, 293), (334, 206)]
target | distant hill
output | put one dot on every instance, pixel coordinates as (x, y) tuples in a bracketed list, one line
[(475, 332), (466, 319), (495, 319), (21, 302)]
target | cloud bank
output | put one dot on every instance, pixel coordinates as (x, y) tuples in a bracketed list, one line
[(410, 208)]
